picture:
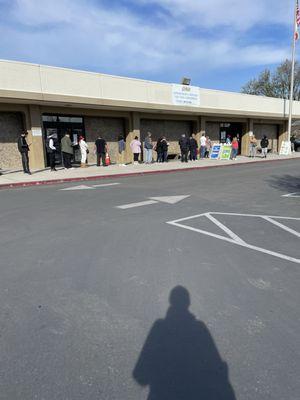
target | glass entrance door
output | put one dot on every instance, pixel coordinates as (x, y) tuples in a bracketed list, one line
[(59, 125), (230, 130)]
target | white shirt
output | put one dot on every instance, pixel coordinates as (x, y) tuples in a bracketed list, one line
[(51, 144), (202, 141)]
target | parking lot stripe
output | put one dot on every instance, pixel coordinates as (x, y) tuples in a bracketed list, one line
[(284, 227), (235, 237)]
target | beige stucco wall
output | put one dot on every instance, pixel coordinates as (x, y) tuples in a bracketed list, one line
[(11, 126), (59, 85)]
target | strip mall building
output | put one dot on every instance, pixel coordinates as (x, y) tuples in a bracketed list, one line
[(44, 100)]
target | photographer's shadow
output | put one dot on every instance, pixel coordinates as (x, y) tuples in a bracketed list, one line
[(179, 360)]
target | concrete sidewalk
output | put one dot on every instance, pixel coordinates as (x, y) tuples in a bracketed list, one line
[(12, 179)]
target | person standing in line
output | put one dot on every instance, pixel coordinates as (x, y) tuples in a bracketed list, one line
[(207, 147), (135, 146), (67, 150), (264, 143), (228, 140), (252, 146), (121, 151), (164, 149), (51, 146), (193, 148), (184, 145), (293, 138), (101, 150), (148, 148), (158, 149), (84, 151), (235, 148), (202, 145), (24, 149)]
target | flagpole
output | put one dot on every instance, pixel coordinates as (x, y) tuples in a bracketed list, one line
[(292, 75)]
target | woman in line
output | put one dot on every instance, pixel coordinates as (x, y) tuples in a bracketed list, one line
[(84, 149), (235, 148), (207, 147), (135, 146), (252, 146)]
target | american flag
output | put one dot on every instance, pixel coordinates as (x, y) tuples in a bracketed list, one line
[(297, 21)]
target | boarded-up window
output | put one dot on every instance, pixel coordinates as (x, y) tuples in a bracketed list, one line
[(108, 128), (270, 130), (171, 129), (11, 126)]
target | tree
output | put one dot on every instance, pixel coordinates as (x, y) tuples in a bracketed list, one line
[(276, 84)]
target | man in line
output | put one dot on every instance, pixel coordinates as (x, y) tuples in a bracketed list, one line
[(24, 149), (202, 146), (51, 150), (264, 143), (67, 150), (193, 148), (121, 151), (101, 150), (148, 146), (184, 145)]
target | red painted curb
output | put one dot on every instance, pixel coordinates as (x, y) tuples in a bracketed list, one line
[(98, 177)]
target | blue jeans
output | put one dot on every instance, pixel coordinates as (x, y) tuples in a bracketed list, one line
[(202, 151), (234, 153), (148, 156), (165, 156)]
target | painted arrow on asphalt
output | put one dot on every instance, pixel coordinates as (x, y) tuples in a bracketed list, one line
[(85, 187), (155, 200)]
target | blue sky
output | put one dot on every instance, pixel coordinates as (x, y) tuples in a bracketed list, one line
[(220, 44)]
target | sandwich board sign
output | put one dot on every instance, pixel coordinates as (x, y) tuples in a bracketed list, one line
[(215, 151), (225, 152), (285, 148)]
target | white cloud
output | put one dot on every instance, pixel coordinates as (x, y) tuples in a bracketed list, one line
[(238, 14), (78, 32)]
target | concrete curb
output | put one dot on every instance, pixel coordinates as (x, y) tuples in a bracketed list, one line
[(126, 174)]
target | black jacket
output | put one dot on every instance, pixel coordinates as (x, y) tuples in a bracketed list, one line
[(164, 145), (22, 145), (193, 144), (264, 143), (184, 143)]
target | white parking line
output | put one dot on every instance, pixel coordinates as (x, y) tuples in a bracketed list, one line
[(229, 232), (297, 194), (234, 238), (284, 227)]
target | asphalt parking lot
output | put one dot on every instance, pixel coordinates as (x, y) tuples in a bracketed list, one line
[(171, 286)]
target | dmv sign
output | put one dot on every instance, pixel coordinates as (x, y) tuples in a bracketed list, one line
[(184, 95)]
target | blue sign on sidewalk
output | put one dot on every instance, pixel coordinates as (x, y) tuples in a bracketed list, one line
[(215, 151)]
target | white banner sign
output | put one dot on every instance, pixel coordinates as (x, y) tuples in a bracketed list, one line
[(285, 149), (184, 95)]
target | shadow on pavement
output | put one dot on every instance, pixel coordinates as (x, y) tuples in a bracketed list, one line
[(179, 360), (288, 183)]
